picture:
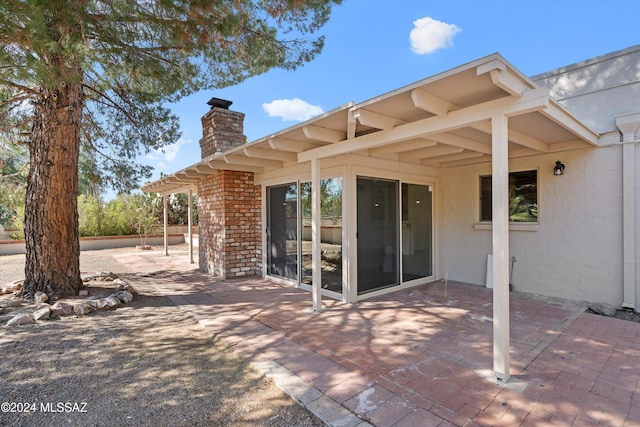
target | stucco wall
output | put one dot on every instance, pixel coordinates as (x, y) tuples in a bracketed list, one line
[(598, 89), (576, 252)]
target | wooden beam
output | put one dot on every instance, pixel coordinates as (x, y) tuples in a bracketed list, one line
[(435, 161), (424, 153), (459, 141), (291, 145), (454, 163), (251, 161), (206, 169), (517, 137), (194, 173), (402, 146), (263, 153), (533, 99), (351, 124), (503, 78), (318, 133), (221, 164), (431, 103), (376, 120)]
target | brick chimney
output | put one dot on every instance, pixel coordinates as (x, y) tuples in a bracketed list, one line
[(222, 129)]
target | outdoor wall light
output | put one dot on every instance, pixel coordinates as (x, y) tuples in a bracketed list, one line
[(558, 169)]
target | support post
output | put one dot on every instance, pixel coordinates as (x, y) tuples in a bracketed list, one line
[(190, 222), (629, 224), (500, 226), (165, 220), (629, 124), (315, 235)]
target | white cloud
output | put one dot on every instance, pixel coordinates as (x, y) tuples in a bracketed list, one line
[(167, 153), (429, 35), (291, 109)]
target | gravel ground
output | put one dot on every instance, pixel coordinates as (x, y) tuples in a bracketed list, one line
[(147, 363)]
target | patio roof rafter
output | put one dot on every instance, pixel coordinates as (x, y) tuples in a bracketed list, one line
[(376, 120), (516, 137), (429, 102), (440, 160), (504, 79), (318, 133), (290, 145), (242, 161), (424, 153), (263, 153), (533, 100), (401, 147)]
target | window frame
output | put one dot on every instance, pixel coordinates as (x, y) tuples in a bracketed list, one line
[(483, 223)]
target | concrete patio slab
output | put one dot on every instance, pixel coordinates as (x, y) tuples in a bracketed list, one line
[(420, 356)]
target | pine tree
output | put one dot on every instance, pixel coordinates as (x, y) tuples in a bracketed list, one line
[(98, 73)]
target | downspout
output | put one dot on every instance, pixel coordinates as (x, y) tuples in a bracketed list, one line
[(629, 125)]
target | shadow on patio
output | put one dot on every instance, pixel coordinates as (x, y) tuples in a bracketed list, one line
[(423, 356)]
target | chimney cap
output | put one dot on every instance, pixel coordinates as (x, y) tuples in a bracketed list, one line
[(219, 103)]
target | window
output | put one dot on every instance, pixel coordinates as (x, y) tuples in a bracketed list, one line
[(523, 197)]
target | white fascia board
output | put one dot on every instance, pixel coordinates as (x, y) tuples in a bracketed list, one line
[(565, 119)]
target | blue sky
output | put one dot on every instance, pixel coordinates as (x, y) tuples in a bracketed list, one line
[(375, 46)]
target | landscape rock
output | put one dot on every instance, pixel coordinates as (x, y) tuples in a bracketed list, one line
[(124, 296), (21, 319), (40, 298), (101, 304), (603, 308), (107, 276), (42, 313), (14, 303), (82, 308), (61, 309), (126, 287), (112, 302), (12, 287)]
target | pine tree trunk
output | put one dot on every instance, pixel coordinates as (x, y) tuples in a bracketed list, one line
[(51, 208)]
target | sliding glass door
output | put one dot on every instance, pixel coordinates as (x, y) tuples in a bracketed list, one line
[(394, 233), (282, 231), (330, 234), (377, 234), (289, 232), (416, 232)]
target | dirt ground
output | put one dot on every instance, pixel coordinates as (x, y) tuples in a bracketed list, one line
[(146, 363)]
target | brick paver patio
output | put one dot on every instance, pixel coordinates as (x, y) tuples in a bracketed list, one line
[(421, 356)]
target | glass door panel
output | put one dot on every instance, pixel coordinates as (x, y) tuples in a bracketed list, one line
[(330, 233), (282, 231), (416, 232), (377, 233)]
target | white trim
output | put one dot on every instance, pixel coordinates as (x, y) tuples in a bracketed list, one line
[(513, 226)]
